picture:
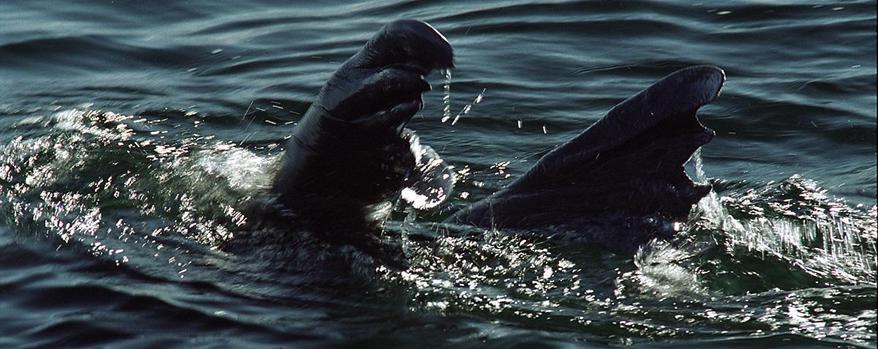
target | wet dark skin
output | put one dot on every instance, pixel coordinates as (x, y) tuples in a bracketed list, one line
[(618, 184)]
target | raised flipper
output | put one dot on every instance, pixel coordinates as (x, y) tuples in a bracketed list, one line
[(348, 157), (621, 182)]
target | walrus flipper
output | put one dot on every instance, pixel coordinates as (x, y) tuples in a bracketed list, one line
[(620, 182), (347, 158)]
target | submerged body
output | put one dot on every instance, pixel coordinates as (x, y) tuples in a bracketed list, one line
[(618, 184)]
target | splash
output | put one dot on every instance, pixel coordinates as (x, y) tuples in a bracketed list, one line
[(659, 271), (700, 176), (796, 222), (433, 180), (113, 185), (446, 100), (446, 97), (243, 169), (466, 109), (498, 272), (710, 209)]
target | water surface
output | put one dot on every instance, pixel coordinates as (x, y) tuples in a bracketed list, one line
[(135, 135)]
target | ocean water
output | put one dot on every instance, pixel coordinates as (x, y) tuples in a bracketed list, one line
[(134, 135)]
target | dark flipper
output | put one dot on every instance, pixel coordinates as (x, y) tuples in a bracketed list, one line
[(621, 182), (347, 157)]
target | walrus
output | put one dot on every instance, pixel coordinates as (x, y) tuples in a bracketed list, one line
[(618, 184)]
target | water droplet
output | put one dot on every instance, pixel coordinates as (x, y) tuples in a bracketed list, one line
[(446, 98)]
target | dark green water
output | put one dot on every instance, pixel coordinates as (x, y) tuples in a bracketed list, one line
[(134, 134)]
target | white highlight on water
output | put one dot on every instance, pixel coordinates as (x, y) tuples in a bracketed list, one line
[(446, 100), (243, 169), (469, 107), (824, 246), (710, 206), (417, 200)]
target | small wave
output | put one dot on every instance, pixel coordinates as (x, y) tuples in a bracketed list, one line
[(87, 53)]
